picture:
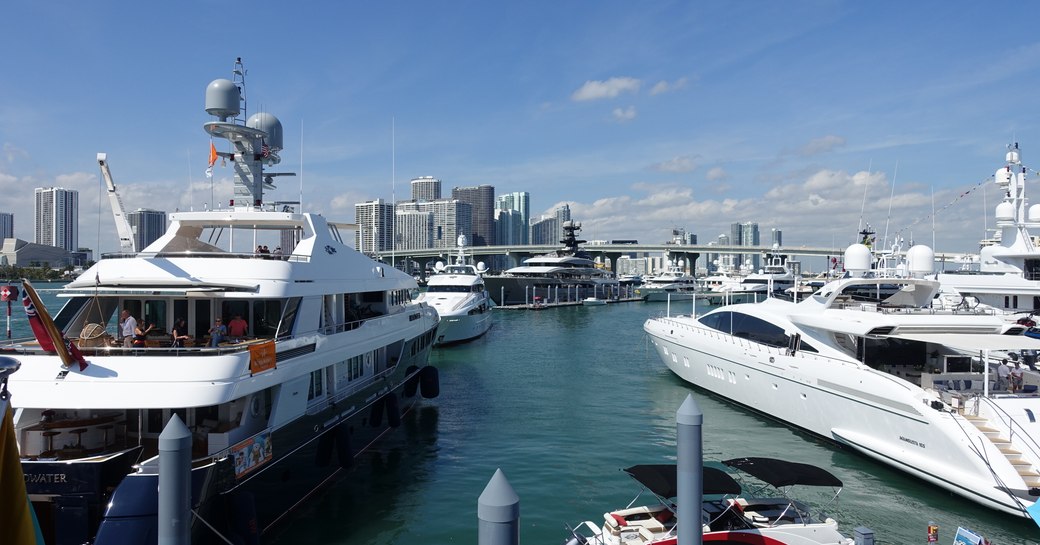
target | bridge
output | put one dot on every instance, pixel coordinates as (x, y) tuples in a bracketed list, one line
[(687, 252)]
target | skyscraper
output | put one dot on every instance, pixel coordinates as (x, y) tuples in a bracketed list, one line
[(482, 201), (778, 237), (6, 225), (746, 234), (147, 225), (519, 202), (414, 229), (57, 217), (545, 231), (426, 188), (451, 218), (375, 220)]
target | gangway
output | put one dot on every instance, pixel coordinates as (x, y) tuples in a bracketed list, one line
[(123, 229)]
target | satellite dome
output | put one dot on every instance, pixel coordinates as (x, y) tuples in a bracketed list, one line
[(438, 266), (462, 241), (1034, 213), (269, 124), (222, 99), (1002, 177), (1014, 155), (921, 260), (1005, 212), (481, 267), (858, 258)]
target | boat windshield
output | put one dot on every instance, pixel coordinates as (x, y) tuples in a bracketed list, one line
[(451, 289)]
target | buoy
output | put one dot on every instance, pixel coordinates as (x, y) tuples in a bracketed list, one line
[(429, 382), (324, 453), (344, 453), (243, 518), (412, 384), (393, 413)]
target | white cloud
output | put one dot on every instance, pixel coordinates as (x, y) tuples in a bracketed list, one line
[(682, 163), (822, 145), (624, 114), (665, 87), (595, 90), (717, 174)]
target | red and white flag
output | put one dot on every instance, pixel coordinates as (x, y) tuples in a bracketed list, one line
[(47, 334)]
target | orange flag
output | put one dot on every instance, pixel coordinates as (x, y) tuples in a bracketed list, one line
[(212, 154)]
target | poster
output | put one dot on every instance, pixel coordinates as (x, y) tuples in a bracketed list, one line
[(251, 453)]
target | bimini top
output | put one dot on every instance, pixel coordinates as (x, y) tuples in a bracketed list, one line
[(661, 480), (781, 473)]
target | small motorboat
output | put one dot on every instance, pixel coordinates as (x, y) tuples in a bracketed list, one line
[(728, 513), (593, 302)]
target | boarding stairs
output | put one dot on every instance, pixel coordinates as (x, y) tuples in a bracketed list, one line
[(1024, 467)]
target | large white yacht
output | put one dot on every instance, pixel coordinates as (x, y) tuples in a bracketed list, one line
[(870, 364), (1008, 275), (671, 284), (334, 353), (566, 275), (457, 292)]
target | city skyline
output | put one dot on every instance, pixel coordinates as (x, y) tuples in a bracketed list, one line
[(815, 117)]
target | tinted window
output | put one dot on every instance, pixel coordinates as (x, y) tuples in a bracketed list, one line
[(747, 327)]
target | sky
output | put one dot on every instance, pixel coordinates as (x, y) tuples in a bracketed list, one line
[(813, 117)]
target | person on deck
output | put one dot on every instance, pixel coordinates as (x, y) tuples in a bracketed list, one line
[(237, 328), (179, 333), (1003, 371), (217, 332), (1016, 377), (141, 332), (127, 326)]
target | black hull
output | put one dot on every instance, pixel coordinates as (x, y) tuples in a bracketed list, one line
[(506, 290)]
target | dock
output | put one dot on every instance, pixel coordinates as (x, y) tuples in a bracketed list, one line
[(543, 306)]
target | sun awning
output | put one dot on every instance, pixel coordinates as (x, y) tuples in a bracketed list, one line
[(972, 342), (661, 480), (783, 473)]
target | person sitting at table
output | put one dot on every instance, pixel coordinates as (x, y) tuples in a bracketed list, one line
[(217, 333), (237, 328)]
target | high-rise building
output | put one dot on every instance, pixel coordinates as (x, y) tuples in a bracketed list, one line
[(563, 215), (510, 230), (147, 226), (451, 218), (778, 237), (545, 231), (414, 229), (6, 225), (746, 234), (520, 203), (57, 217), (482, 200), (426, 188), (375, 221)]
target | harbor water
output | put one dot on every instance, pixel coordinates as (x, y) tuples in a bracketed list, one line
[(561, 399)]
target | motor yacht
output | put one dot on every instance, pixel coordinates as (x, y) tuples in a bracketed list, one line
[(870, 364), (671, 284), (457, 292), (333, 354)]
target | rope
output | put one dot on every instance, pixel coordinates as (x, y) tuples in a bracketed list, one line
[(949, 204)]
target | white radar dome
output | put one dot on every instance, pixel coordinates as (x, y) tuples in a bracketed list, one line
[(1014, 155), (858, 258), (271, 125), (1034, 213), (921, 260), (1002, 177), (438, 266), (222, 99), (461, 241), (481, 267), (1005, 212)]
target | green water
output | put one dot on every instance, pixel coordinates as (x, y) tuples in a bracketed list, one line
[(560, 400)]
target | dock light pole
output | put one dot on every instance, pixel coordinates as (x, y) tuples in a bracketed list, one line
[(498, 513), (689, 472), (175, 483)]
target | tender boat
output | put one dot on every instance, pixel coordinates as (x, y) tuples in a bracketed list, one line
[(566, 275), (672, 284), (593, 302), (728, 514), (457, 292), (870, 364), (334, 353)]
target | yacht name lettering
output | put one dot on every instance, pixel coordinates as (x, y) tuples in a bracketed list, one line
[(911, 441), (46, 478)]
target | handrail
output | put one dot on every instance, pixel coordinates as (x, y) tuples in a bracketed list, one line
[(1011, 425)]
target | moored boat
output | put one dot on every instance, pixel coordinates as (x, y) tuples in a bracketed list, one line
[(329, 354), (728, 513), (457, 292), (870, 364)]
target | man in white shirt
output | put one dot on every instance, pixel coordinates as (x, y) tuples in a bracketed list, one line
[(127, 325), (1002, 375), (1016, 378)]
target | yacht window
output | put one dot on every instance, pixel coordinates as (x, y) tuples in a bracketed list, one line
[(748, 327), (315, 389), (265, 317), (64, 316), (288, 319)]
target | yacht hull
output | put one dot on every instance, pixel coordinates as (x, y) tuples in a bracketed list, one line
[(881, 416)]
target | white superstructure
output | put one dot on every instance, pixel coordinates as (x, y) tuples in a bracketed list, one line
[(457, 293), (866, 362)]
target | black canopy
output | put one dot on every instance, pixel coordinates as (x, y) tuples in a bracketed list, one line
[(661, 480), (782, 473)]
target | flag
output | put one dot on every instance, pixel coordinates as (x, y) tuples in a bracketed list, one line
[(209, 173), (50, 339), (265, 150), (17, 517), (212, 154)]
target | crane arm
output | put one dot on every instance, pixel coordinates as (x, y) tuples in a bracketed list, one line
[(123, 229)]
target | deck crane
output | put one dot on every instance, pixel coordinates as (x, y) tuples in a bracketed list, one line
[(126, 233)]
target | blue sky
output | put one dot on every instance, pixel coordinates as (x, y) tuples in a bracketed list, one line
[(640, 115)]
